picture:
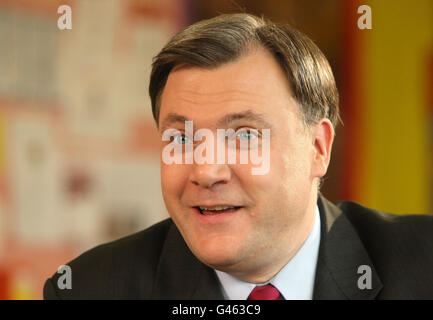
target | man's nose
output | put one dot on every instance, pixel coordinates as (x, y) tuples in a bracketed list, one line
[(208, 175)]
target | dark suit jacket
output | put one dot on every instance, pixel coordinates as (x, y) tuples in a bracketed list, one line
[(157, 264)]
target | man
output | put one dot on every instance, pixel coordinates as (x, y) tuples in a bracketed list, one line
[(236, 235)]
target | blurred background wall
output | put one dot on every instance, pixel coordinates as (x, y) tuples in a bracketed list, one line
[(79, 160)]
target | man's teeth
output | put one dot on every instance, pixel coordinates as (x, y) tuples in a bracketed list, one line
[(216, 208)]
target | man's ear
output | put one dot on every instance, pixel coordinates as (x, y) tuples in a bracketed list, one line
[(322, 137)]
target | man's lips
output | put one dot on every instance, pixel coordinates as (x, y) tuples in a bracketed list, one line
[(208, 216), (216, 209)]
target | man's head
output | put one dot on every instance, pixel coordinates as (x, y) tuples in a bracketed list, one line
[(240, 72)]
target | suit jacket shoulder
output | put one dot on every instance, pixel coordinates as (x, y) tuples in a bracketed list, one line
[(400, 247), (121, 269), (151, 264)]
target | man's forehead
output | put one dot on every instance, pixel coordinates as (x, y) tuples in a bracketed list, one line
[(212, 96), (203, 83), (190, 97)]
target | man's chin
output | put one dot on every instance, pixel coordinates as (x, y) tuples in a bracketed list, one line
[(220, 257)]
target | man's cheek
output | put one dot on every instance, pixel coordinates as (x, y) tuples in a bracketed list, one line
[(168, 181), (173, 179)]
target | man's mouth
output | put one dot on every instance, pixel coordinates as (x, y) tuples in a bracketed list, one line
[(213, 210)]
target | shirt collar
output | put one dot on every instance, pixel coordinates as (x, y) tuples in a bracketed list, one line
[(295, 281)]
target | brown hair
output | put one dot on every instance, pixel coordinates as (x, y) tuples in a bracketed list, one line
[(211, 43)]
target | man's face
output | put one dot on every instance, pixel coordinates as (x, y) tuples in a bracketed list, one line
[(270, 214)]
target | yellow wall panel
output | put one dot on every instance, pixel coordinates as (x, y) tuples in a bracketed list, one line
[(396, 124)]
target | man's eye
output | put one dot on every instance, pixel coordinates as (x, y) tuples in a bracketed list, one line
[(181, 139), (247, 134)]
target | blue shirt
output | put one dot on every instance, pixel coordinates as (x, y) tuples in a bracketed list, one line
[(295, 281)]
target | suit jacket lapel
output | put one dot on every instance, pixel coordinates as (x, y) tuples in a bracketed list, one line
[(341, 253), (180, 275)]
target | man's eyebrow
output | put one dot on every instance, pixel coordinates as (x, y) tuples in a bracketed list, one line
[(172, 118), (247, 115), (225, 121)]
